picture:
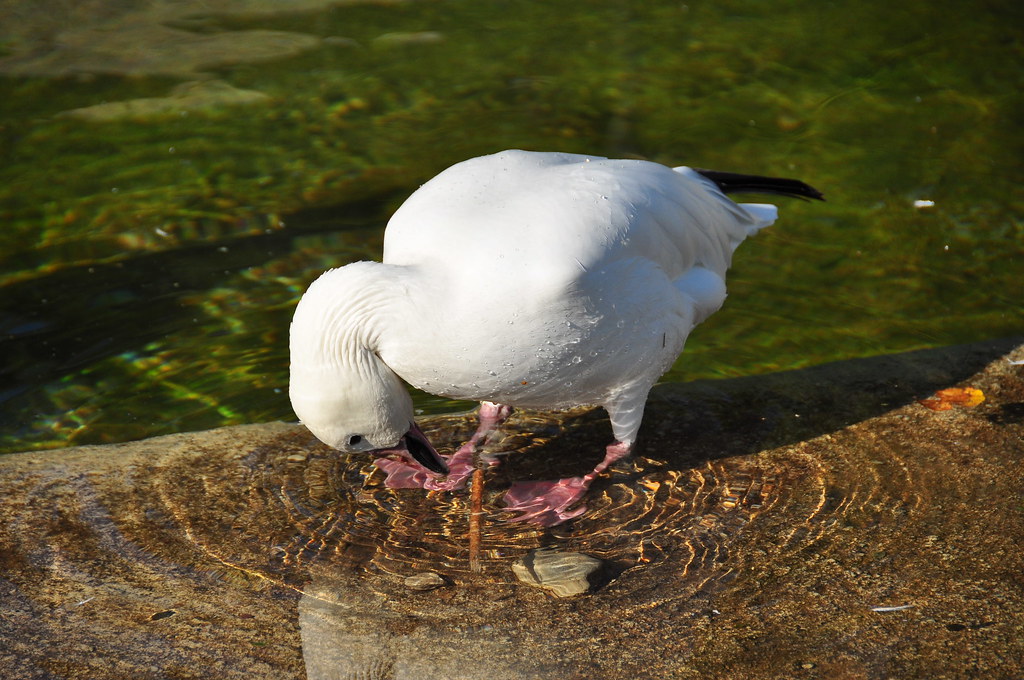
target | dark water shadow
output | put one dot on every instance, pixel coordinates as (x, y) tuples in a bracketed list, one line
[(66, 319), (688, 424)]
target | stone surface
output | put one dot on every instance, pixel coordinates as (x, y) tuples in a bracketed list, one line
[(425, 580), (813, 524), (163, 37), (194, 96), (564, 574)]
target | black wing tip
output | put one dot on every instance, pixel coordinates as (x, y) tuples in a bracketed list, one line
[(734, 182)]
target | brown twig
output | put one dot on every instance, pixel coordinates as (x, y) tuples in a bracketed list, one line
[(476, 502)]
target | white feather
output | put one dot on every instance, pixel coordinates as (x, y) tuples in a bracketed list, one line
[(541, 280)]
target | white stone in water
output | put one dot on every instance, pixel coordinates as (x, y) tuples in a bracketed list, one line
[(564, 574), (426, 580)]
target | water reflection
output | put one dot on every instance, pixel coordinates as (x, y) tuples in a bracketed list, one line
[(344, 524), (337, 513), (340, 640)]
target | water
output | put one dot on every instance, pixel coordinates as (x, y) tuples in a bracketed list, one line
[(817, 523), (174, 175)]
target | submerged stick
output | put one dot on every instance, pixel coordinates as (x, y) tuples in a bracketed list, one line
[(476, 502)]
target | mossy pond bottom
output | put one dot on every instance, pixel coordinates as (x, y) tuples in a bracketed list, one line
[(176, 173)]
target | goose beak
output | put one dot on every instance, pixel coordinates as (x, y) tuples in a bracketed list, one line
[(422, 450)]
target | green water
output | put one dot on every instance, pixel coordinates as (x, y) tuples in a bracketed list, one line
[(154, 245)]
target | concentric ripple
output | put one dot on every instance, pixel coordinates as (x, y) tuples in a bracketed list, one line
[(293, 506)]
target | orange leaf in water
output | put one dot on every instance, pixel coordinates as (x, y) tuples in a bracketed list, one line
[(959, 396)]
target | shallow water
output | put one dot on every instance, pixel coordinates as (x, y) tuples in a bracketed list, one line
[(176, 173), (818, 523)]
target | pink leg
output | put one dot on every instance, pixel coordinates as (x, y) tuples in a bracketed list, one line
[(405, 473), (547, 503)]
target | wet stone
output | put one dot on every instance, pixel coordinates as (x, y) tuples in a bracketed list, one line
[(426, 580), (564, 574), (202, 96)]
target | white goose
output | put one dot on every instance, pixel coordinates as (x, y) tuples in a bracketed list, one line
[(539, 280)]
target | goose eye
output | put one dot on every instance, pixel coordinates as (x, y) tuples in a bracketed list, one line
[(355, 440)]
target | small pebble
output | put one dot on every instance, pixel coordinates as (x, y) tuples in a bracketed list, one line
[(426, 580)]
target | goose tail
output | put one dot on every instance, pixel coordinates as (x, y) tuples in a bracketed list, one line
[(734, 182)]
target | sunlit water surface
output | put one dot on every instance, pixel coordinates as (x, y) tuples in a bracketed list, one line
[(174, 176)]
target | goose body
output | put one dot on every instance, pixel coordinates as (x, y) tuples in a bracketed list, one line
[(539, 280)]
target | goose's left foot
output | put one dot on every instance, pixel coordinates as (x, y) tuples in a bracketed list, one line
[(550, 503)]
